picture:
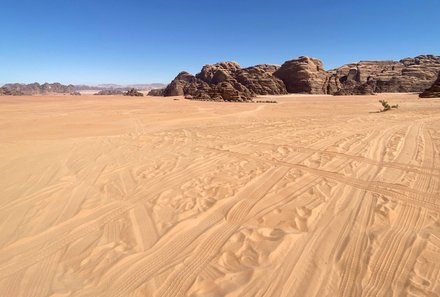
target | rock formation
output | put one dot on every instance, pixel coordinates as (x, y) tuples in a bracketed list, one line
[(303, 75), (7, 92), (433, 91), (133, 92), (156, 92), (260, 80), (110, 92), (227, 81), (407, 75)]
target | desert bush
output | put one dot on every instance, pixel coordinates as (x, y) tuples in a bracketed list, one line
[(386, 106)]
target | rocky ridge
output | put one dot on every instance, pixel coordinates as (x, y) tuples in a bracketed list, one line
[(37, 89), (227, 81), (57, 88)]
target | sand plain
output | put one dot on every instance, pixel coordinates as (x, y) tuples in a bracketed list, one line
[(313, 196)]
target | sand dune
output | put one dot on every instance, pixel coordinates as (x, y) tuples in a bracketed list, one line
[(313, 196)]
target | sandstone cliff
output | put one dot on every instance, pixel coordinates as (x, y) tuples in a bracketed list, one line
[(227, 81), (407, 75), (433, 91), (303, 75)]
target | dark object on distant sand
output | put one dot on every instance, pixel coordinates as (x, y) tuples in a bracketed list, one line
[(133, 92), (266, 101), (75, 94), (110, 92), (433, 91)]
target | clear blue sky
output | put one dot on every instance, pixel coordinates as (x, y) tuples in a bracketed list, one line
[(78, 41)]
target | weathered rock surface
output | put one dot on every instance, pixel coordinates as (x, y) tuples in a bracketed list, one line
[(303, 75), (260, 80), (407, 75), (214, 82), (133, 92), (433, 91), (7, 92), (156, 92), (226, 81)]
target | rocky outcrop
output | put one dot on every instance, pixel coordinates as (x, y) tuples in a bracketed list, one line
[(110, 92), (7, 92), (433, 91), (303, 75), (214, 82), (366, 77), (226, 81), (156, 92), (133, 92), (260, 80)]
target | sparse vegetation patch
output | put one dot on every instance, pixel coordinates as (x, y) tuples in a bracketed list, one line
[(386, 106)]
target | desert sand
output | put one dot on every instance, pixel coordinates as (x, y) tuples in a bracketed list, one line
[(313, 196)]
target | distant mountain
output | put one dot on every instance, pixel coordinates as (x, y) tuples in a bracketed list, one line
[(141, 87), (57, 88), (37, 89), (6, 92)]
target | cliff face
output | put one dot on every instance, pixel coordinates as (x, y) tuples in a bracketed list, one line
[(227, 81), (407, 75), (303, 75), (433, 91)]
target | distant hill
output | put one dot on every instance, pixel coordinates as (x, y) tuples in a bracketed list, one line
[(57, 88), (140, 87), (37, 89)]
